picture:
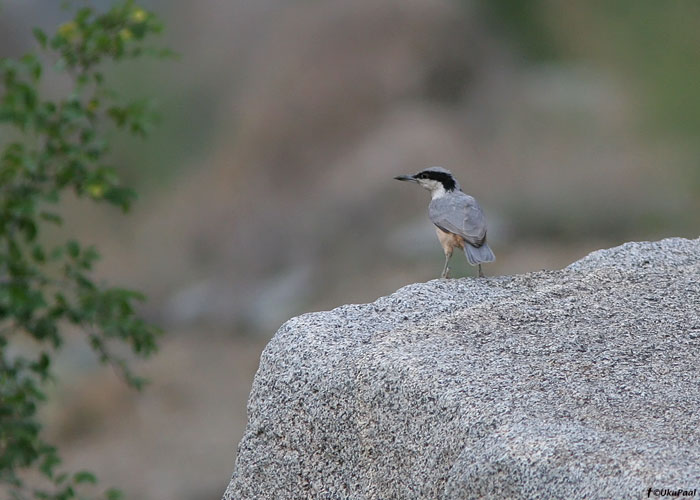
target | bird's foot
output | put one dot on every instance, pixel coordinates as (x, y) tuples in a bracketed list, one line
[(481, 273), (445, 274)]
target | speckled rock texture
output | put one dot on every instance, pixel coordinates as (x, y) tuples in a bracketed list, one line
[(579, 383)]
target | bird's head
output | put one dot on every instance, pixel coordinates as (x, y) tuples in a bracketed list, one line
[(437, 180)]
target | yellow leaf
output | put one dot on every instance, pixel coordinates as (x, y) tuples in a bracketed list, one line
[(138, 15), (96, 190), (68, 30)]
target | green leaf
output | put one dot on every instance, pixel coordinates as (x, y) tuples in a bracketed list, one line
[(122, 197), (50, 462), (119, 115), (40, 37), (33, 66), (114, 494), (28, 227), (38, 254), (41, 365), (73, 248), (51, 217), (89, 257), (56, 253), (84, 477)]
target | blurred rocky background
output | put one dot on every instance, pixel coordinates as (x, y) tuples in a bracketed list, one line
[(267, 190)]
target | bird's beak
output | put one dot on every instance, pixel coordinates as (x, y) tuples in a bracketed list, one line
[(405, 178)]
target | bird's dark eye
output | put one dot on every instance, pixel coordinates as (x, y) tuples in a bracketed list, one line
[(421, 176)]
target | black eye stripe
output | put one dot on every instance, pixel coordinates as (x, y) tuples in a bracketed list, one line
[(442, 177)]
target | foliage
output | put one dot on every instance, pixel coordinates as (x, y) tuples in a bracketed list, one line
[(51, 147)]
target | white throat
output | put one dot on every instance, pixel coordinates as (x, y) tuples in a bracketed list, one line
[(438, 191)]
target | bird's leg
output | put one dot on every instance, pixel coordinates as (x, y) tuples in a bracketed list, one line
[(481, 274), (447, 244), (446, 269)]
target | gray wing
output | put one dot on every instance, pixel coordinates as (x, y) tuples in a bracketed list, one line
[(460, 214)]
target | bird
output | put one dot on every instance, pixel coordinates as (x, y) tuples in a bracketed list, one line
[(459, 220)]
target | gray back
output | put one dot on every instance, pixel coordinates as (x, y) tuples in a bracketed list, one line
[(460, 214)]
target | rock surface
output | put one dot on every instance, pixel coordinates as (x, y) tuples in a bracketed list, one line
[(579, 383)]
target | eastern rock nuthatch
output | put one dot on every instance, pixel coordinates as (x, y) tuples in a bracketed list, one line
[(459, 219)]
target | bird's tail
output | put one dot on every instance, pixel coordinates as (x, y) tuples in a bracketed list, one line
[(477, 255)]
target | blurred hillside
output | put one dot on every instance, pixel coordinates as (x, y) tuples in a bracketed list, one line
[(267, 191)]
